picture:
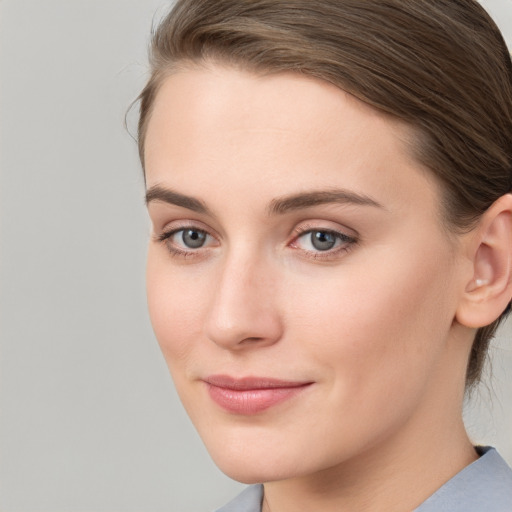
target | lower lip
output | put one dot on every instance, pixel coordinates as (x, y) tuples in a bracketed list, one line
[(251, 401)]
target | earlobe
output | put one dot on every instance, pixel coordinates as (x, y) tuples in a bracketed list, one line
[(489, 290)]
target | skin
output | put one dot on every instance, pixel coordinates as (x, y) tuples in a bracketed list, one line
[(372, 323)]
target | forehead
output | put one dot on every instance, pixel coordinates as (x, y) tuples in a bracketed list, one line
[(205, 98), (226, 125)]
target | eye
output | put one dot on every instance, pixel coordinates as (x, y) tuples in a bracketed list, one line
[(323, 241), (185, 241), (191, 238)]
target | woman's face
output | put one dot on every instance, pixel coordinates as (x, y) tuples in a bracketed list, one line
[(300, 282)]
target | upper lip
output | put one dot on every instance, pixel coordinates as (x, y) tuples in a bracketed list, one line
[(247, 383)]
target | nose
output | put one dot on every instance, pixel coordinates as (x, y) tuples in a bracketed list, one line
[(244, 311)]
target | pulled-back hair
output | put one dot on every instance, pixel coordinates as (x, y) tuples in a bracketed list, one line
[(441, 66)]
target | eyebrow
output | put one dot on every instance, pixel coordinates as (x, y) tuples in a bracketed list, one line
[(159, 193), (315, 198), (277, 206)]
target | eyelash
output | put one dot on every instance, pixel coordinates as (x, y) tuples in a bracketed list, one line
[(347, 242), (175, 251)]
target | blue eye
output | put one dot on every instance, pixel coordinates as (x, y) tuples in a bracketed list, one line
[(185, 240), (322, 240), (192, 238)]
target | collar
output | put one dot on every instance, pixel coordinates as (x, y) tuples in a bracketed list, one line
[(486, 484)]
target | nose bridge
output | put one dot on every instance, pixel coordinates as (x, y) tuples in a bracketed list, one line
[(244, 308)]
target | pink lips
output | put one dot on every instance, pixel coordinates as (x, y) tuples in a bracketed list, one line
[(251, 395)]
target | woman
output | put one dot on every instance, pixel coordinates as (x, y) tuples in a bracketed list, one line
[(329, 188)]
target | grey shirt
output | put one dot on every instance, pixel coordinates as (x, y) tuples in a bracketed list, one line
[(483, 486)]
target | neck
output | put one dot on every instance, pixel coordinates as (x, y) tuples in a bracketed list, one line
[(394, 478), (394, 475)]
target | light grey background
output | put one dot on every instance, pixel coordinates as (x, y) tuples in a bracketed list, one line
[(89, 420)]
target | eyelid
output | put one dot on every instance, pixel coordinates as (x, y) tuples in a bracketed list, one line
[(337, 234), (319, 225), (342, 234), (168, 233), (165, 235), (348, 240), (177, 224)]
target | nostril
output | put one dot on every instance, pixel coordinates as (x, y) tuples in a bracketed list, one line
[(251, 340)]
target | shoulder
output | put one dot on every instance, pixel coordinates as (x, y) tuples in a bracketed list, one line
[(485, 485), (249, 500)]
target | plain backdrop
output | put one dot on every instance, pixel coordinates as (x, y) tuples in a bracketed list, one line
[(89, 420)]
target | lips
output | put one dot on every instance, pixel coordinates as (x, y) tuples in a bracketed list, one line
[(251, 395)]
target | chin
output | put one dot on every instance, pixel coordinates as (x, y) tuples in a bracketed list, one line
[(245, 474), (261, 458), (252, 470), (243, 459)]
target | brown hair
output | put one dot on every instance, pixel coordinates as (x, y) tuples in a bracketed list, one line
[(441, 66)]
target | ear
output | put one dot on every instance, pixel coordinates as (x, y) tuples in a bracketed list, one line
[(489, 290)]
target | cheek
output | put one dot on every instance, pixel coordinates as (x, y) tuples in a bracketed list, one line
[(175, 307), (380, 323)]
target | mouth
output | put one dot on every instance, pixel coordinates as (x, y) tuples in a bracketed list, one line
[(251, 395)]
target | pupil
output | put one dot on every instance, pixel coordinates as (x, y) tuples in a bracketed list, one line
[(193, 239), (323, 241)]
